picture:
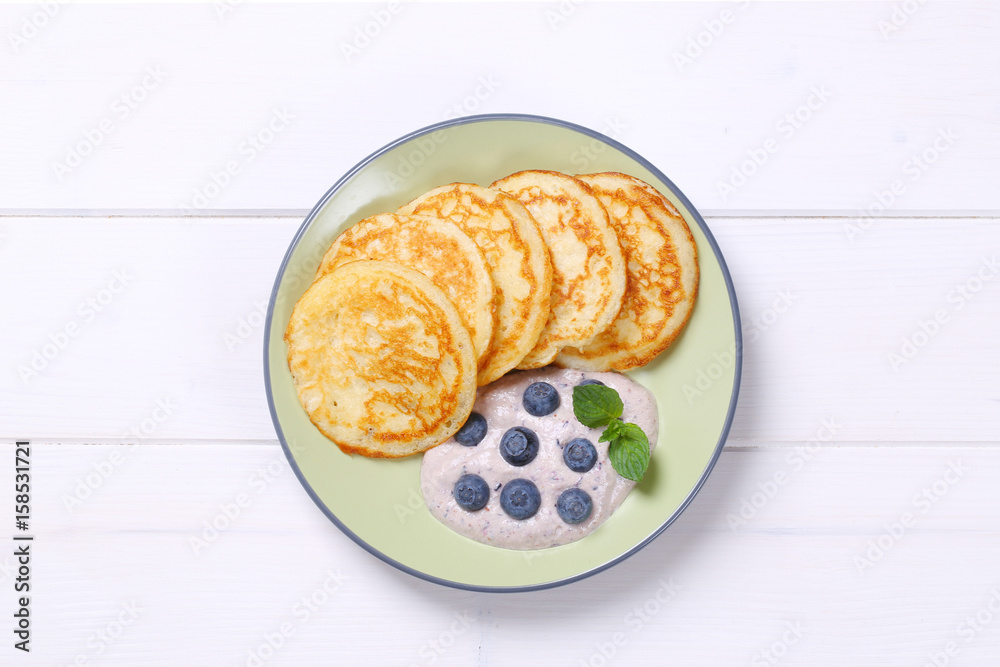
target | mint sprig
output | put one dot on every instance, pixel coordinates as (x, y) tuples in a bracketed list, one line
[(597, 405)]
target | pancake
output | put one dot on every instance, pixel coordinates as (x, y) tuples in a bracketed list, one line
[(662, 284), (588, 269), (518, 261), (381, 360), (436, 248)]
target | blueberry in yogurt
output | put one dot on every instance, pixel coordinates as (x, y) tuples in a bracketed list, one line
[(519, 446), (580, 455), (574, 505), (471, 492), (591, 381), (520, 499), (473, 430), (525, 513), (540, 399)]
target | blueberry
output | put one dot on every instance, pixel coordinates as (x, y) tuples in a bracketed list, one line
[(574, 506), (519, 446), (580, 455), (471, 492), (520, 499), (540, 399), (473, 430), (586, 382)]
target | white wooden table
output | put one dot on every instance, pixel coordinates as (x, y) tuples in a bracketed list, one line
[(155, 161)]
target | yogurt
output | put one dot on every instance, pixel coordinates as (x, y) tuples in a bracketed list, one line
[(500, 403)]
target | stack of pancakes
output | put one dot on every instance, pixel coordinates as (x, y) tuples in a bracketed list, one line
[(412, 310)]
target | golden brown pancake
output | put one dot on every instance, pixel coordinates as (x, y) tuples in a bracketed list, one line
[(436, 248), (662, 285), (588, 268), (382, 363), (518, 260)]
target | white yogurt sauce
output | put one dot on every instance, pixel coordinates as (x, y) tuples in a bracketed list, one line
[(500, 403)]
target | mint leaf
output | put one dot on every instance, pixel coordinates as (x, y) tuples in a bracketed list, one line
[(612, 432), (595, 405), (628, 450)]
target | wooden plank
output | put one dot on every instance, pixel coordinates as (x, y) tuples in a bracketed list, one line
[(795, 107), (787, 581), (886, 337)]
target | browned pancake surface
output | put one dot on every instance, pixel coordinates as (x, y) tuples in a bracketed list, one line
[(518, 260), (588, 269), (382, 363), (662, 283), (436, 248)]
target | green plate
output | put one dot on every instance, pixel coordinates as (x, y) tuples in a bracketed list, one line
[(377, 502)]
